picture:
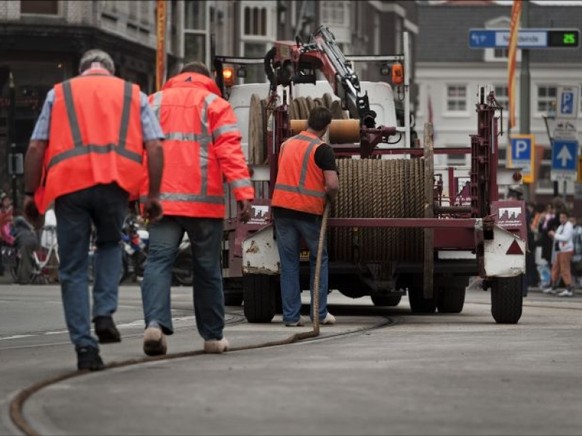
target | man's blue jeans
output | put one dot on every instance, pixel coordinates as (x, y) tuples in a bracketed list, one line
[(289, 232), (206, 242), (105, 206)]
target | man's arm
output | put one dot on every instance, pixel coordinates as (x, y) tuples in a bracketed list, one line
[(33, 165), (331, 183), (152, 207)]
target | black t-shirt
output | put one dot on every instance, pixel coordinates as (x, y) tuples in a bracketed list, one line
[(325, 159)]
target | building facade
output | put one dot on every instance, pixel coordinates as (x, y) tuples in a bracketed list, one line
[(449, 73), (41, 42)]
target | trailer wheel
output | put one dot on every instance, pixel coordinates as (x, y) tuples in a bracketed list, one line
[(506, 299), (233, 291), (259, 295), (451, 300), (418, 304), (386, 300)]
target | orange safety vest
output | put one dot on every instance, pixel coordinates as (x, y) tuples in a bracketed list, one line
[(95, 138), (300, 183), (202, 149)]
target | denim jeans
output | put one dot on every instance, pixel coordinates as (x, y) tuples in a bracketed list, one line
[(289, 232), (105, 206), (206, 242)]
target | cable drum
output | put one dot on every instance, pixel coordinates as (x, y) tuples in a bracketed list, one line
[(378, 188), (299, 109)]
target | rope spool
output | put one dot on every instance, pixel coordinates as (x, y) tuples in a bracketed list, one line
[(340, 131), (378, 188), (299, 109)]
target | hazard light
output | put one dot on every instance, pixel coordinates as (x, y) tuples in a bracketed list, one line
[(397, 74), (228, 76)]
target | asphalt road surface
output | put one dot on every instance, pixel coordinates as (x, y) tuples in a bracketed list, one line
[(378, 371)]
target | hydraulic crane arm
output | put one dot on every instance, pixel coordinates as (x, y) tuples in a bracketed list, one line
[(294, 62)]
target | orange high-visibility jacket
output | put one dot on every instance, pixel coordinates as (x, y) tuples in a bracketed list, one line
[(300, 182), (202, 148), (95, 138)]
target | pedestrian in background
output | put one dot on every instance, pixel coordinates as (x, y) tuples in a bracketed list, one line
[(6, 218), (202, 149), (564, 251), (306, 179), (85, 155)]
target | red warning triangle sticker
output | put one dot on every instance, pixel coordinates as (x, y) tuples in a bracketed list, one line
[(514, 248)]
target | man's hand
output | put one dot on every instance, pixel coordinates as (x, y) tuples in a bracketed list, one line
[(31, 212), (152, 210), (244, 210)]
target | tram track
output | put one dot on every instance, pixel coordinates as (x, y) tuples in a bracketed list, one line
[(16, 407)]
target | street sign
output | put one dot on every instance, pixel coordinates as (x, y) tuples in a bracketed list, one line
[(522, 156), (567, 102), (526, 38), (564, 159)]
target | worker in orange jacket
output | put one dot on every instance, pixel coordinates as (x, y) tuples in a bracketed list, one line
[(85, 156), (202, 150), (306, 179)]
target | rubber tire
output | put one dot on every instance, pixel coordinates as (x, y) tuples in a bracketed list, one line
[(507, 299), (386, 300), (233, 291), (418, 304), (259, 295), (451, 300)]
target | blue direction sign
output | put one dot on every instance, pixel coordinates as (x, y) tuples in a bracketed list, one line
[(526, 38), (564, 159)]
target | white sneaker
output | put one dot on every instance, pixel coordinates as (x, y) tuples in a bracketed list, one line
[(299, 323), (154, 342), (549, 290), (566, 293), (329, 319), (216, 346)]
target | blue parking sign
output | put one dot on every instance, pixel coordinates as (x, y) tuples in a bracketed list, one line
[(520, 149), (567, 102)]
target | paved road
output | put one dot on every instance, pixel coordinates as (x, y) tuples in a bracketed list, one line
[(431, 374)]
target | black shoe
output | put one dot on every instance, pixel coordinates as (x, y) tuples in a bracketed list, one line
[(88, 358), (106, 330)]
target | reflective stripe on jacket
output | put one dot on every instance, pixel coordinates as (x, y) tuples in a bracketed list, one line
[(95, 138), (300, 183), (202, 148)]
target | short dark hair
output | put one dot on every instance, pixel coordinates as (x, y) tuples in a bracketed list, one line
[(319, 118), (196, 67)]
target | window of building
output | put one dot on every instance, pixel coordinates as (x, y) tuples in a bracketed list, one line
[(334, 13), (255, 73), (194, 47), (195, 31), (195, 15), (255, 20), (454, 159), (499, 54), (44, 7), (456, 98), (502, 96), (546, 98)]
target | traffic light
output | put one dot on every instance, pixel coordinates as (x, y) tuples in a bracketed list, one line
[(564, 38)]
